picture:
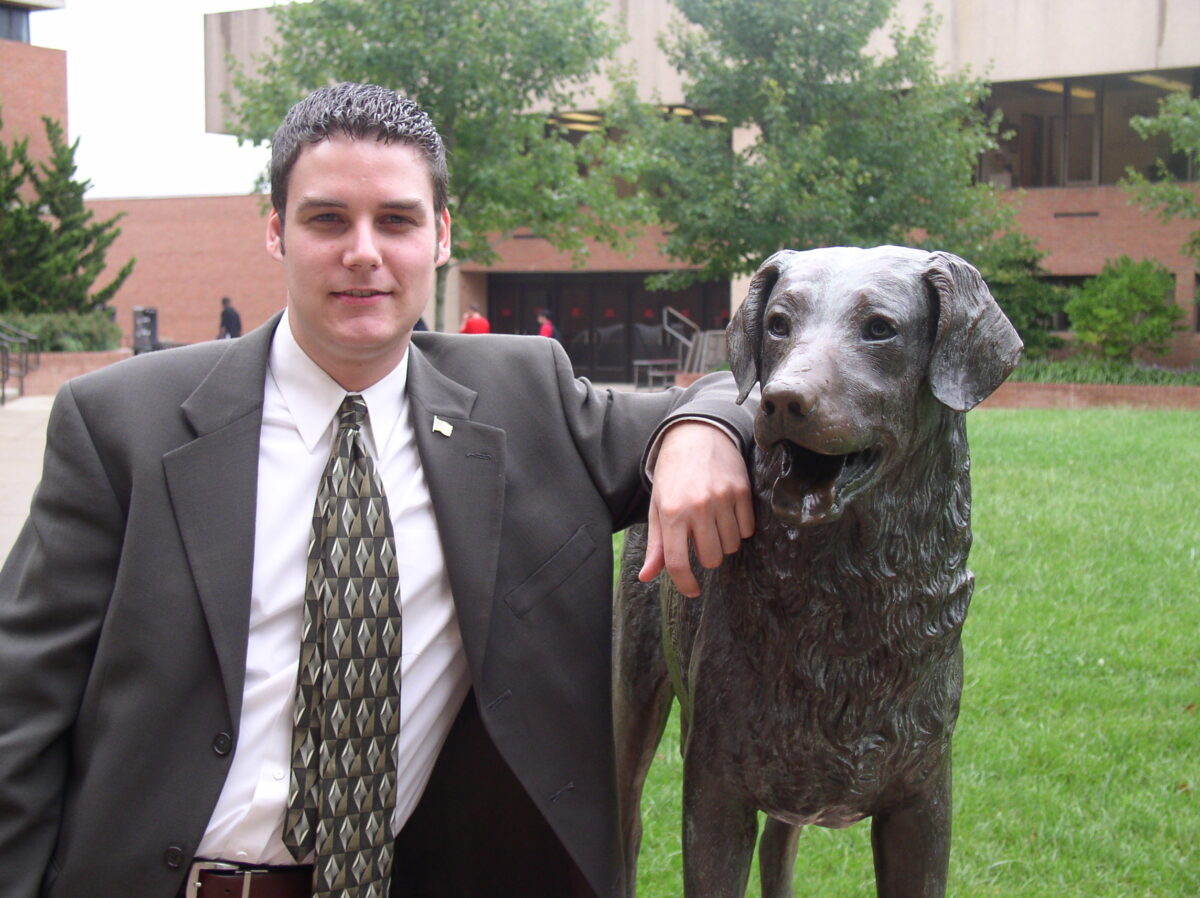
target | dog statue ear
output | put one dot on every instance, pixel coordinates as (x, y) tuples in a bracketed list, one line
[(744, 333), (976, 347)]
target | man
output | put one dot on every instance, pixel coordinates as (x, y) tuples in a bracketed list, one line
[(152, 609), (473, 322), (231, 321), (546, 327)]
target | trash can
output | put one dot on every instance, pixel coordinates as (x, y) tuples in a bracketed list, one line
[(145, 329)]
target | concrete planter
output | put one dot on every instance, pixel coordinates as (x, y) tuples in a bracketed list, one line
[(1038, 395), (57, 368)]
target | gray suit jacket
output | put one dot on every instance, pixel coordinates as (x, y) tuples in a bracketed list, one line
[(124, 602)]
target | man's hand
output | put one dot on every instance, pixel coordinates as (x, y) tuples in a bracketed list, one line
[(701, 494)]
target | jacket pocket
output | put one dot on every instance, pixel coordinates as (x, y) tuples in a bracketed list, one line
[(550, 575)]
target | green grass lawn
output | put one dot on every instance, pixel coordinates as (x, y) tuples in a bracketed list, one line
[(1077, 754)]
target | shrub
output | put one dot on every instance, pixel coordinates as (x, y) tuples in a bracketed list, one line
[(1128, 306), (69, 331), (1101, 371)]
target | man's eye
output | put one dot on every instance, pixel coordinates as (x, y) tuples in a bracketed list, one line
[(878, 329)]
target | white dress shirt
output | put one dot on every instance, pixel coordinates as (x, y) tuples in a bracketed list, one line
[(300, 403)]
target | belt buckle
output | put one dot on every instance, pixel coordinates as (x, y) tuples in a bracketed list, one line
[(193, 881)]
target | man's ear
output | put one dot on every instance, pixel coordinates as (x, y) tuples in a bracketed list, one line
[(443, 238), (275, 236)]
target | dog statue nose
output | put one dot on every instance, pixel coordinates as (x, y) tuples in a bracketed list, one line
[(788, 400)]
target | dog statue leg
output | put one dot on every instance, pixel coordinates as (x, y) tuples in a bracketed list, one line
[(641, 693), (719, 830), (912, 843), (777, 858)]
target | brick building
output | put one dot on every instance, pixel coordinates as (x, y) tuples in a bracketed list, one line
[(33, 80)]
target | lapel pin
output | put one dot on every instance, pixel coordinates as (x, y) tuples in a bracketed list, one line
[(442, 427)]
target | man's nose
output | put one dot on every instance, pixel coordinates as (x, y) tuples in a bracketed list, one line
[(363, 251)]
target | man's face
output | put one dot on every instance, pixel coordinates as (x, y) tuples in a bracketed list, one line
[(359, 245)]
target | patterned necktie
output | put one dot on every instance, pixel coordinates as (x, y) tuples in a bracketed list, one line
[(343, 785)]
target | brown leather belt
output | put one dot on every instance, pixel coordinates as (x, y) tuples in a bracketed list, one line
[(220, 879)]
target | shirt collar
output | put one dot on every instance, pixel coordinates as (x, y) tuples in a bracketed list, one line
[(313, 397)]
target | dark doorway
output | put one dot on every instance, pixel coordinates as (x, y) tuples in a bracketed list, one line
[(606, 321)]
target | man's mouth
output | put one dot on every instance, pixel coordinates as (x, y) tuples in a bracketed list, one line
[(360, 295), (814, 488)]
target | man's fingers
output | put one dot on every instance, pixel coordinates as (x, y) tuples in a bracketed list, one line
[(652, 565)]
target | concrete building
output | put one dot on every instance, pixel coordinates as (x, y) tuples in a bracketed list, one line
[(1067, 75)]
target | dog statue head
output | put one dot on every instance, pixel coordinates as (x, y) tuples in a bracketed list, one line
[(848, 344)]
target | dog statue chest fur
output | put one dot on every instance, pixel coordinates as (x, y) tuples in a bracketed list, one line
[(819, 673)]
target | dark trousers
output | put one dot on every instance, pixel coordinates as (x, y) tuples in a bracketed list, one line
[(476, 833)]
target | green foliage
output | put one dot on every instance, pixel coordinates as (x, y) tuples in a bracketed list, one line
[(1077, 751), (1010, 263), (1101, 371), (69, 331), (810, 140), (481, 71), (1179, 118), (52, 253), (1128, 306)]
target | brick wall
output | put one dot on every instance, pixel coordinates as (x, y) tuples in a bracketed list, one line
[(190, 252), (56, 368), (33, 83), (1083, 227), (1035, 395)]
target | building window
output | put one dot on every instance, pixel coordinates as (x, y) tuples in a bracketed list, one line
[(1076, 130), (14, 24)]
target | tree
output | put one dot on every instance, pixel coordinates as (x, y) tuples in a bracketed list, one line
[(805, 139), (1128, 306), (489, 75), (52, 253), (1178, 118)]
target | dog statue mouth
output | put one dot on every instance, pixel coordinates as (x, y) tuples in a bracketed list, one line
[(815, 488)]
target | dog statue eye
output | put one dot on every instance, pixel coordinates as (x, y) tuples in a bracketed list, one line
[(778, 326), (878, 329)]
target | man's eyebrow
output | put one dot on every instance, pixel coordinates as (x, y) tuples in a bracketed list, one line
[(320, 202), (404, 205)]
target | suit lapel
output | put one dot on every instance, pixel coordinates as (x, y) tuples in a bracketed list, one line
[(463, 462), (213, 484)]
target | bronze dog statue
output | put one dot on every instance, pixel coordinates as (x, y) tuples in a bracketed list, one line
[(819, 673)]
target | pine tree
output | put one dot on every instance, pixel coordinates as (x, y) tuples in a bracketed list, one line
[(52, 252)]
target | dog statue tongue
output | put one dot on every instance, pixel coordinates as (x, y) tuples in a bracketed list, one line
[(806, 487), (801, 502)]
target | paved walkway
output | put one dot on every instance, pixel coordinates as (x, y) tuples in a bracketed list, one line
[(22, 440)]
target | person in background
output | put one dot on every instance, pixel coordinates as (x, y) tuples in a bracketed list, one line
[(546, 326), (473, 322), (231, 321)]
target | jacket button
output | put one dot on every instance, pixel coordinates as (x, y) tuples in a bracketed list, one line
[(222, 744), (174, 857)]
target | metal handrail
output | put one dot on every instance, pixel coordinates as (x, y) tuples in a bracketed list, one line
[(17, 342), (680, 327), (29, 339)]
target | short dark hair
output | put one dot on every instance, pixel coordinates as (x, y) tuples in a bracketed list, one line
[(357, 111)]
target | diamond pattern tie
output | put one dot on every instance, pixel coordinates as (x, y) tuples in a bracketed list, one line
[(343, 785)]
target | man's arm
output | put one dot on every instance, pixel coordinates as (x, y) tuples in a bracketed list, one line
[(54, 588)]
